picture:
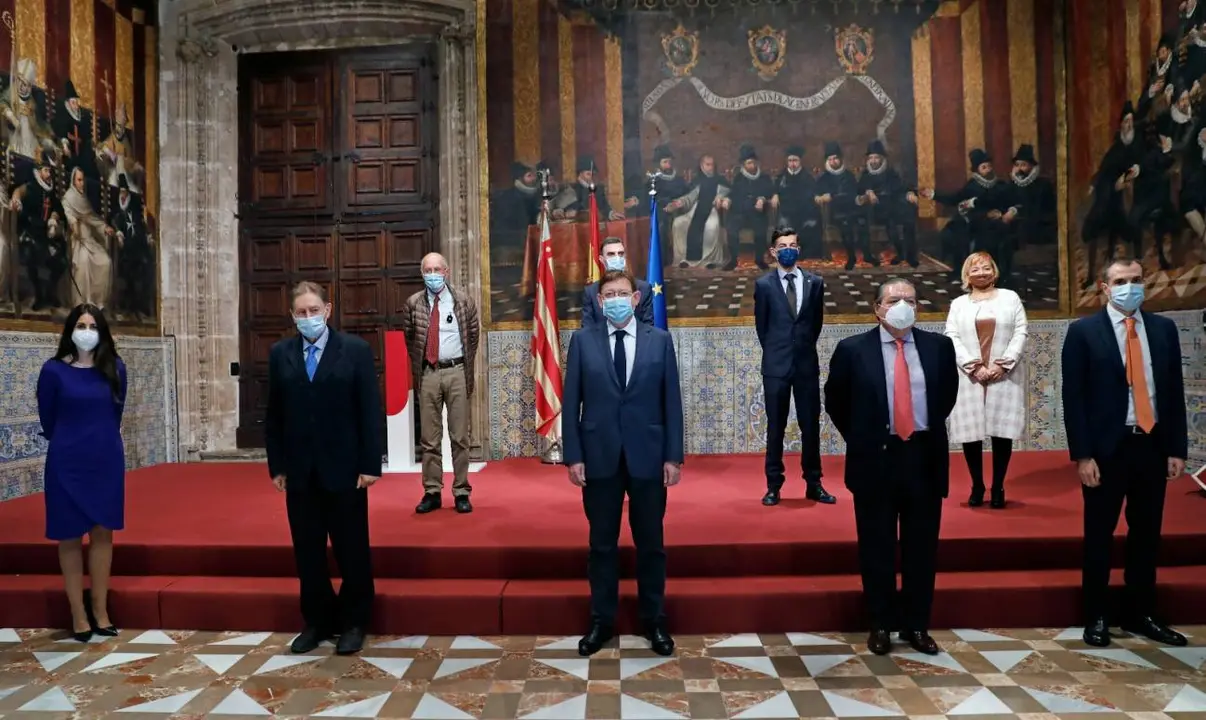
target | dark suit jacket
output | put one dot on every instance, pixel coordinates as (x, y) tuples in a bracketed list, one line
[(329, 428), (788, 345), (592, 315), (1095, 392), (644, 421), (856, 398)]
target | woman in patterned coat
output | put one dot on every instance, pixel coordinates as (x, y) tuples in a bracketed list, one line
[(988, 327)]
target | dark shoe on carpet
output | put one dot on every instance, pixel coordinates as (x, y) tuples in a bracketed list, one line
[(976, 499), (771, 498), (1097, 633), (816, 492), (594, 640), (920, 641), (106, 631), (81, 637), (1153, 629), (463, 505), (879, 642), (660, 641), (308, 639), (998, 499), (430, 502), (350, 642)]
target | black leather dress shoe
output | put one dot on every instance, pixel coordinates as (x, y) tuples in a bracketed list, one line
[(308, 640), (879, 642), (816, 492), (350, 642), (920, 641), (998, 499), (1153, 629), (771, 498), (660, 641), (463, 505), (594, 640), (1097, 633), (976, 499), (430, 502)]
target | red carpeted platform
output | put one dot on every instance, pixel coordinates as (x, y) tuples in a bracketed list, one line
[(207, 547)]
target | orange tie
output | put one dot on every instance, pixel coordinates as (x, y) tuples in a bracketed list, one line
[(902, 395), (1137, 379)]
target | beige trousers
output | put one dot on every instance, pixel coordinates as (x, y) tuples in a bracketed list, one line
[(437, 388)]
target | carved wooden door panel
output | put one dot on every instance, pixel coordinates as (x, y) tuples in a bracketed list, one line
[(389, 130), (285, 135)]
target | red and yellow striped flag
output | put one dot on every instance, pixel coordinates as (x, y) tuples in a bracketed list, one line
[(546, 339), (596, 266)]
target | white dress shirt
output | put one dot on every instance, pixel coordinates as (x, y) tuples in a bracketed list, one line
[(1118, 321), (629, 345), (921, 413), (450, 330), (799, 283)]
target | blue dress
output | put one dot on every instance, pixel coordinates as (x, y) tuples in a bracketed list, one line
[(86, 462)]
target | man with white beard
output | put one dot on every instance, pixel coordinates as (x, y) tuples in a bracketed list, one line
[(1115, 175)]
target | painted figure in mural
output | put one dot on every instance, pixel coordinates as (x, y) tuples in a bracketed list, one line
[(749, 205), (136, 261), (512, 210), (116, 157), (695, 231), (73, 129), (797, 190), (91, 262), (669, 185), (889, 201), (1161, 76), (573, 202), (1114, 181), (24, 108), (1153, 202), (838, 190), (42, 237), (1038, 211), (986, 208)]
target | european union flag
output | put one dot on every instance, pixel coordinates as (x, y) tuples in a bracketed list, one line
[(654, 273)]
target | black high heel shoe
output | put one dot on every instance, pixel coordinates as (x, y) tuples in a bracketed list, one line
[(998, 498), (107, 631), (81, 637), (976, 499)]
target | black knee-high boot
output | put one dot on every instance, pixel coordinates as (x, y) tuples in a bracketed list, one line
[(1002, 451), (973, 452)]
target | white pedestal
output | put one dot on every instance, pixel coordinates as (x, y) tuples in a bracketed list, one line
[(400, 443)]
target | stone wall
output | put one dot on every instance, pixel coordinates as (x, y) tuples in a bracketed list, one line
[(148, 428)]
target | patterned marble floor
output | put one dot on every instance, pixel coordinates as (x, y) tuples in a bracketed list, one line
[(1031, 674)]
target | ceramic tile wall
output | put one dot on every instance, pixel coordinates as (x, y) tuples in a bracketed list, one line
[(722, 388), (149, 428)]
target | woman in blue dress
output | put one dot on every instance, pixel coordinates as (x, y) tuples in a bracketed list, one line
[(81, 395)]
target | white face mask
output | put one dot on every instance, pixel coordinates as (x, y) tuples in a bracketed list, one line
[(85, 340), (901, 315)]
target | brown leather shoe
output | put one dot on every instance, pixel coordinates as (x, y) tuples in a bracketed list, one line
[(879, 642)]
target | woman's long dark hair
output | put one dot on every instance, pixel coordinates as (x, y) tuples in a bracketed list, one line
[(104, 357)]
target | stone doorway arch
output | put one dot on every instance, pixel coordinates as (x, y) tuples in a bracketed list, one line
[(199, 254)]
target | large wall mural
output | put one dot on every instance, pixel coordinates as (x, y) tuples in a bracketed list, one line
[(866, 126), (78, 128)]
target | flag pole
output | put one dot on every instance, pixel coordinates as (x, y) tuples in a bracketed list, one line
[(552, 454)]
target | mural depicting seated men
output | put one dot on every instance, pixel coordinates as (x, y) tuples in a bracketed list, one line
[(889, 201), (695, 231), (837, 189), (136, 260), (1038, 211), (573, 202), (986, 209), (512, 211), (91, 236), (73, 129), (28, 135), (41, 233), (749, 205), (797, 190), (115, 155)]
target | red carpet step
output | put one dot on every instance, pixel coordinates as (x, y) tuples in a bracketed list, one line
[(207, 547)]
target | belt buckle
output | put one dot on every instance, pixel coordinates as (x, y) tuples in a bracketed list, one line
[(1136, 430)]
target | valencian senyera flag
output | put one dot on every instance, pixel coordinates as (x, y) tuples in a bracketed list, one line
[(546, 339)]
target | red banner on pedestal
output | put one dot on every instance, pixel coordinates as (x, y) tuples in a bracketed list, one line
[(397, 372)]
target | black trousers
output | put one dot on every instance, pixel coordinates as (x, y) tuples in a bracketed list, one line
[(603, 500), (1137, 474), (314, 515), (777, 393), (906, 498)]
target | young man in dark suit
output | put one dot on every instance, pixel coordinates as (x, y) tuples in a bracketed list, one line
[(622, 423), (615, 259), (1124, 413), (323, 435), (889, 393), (789, 310)]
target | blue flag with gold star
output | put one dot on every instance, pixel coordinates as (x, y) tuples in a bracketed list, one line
[(654, 273)]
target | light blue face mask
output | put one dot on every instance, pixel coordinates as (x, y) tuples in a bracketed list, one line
[(615, 263), (1127, 298), (311, 328), (618, 309), (434, 282)]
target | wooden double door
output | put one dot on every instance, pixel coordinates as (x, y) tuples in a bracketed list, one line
[(338, 184)]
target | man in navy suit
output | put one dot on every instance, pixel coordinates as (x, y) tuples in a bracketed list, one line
[(323, 436), (622, 422), (789, 310), (614, 259), (1124, 413), (889, 393)]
